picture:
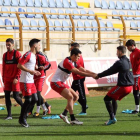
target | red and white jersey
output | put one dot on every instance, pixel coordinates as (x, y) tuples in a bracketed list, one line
[(64, 70), (135, 61), (29, 61)]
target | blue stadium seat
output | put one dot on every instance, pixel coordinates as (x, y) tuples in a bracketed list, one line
[(25, 23), (102, 25), (41, 23), (65, 26), (51, 24), (139, 6), (97, 4), (33, 23), (61, 16), (29, 15), (12, 10), (59, 4), (115, 13), (75, 12), (22, 3), (122, 13), (57, 23), (104, 4), (126, 5), (87, 26), (4, 9), (37, 3), (137, 13), (2, 25), (6, 3), (52, 4), (138, 25), (65, 3), (130, 13), (83, 12), (67, 12), (80, 26), (112, 5), (16, 23), (109, 25), (8, 23), (74, 25), (21, 10), (94, 25), (14, 2), (30, 3), (91, 17), (38, 15), (44, 3), (74, 5), (1, 2), (53, 16), (134, 6), (119, 5), (133, 25), (46, 11)]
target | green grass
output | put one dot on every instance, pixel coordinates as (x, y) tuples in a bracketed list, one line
[(127, 127)]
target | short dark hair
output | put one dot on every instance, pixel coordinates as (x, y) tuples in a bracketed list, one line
[(130, 43), (33, 41), (75, 51), (75, 45), (10, 40), (122, 49)]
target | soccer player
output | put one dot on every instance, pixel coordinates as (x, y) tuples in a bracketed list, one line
[(11, 75), (27, 65), (124, 84), (42, 64), (62, 73), (78, 83), (135, 61)]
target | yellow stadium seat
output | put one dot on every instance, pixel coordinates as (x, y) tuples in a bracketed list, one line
[(4, 37), (84, 4), (102, 15), (118, 26)]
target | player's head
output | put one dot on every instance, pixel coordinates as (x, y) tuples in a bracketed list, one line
[(121, 50), (35, 43), (74, 45), (131, 45), (75, 54), (10, 44)]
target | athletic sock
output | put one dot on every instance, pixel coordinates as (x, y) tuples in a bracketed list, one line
[(38, 109), (72, 117), (44, 107), (65, 112), (137, 108)]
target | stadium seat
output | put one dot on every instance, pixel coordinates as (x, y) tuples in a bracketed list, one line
[(139, 6), (138, 25), (12, 10), (134, 6), (33, 23), (22, 3), (126, 5), (1, 2), (51, 4), (21, 10), (67, 12), (133, 25), (53, 16), (104, 4), (109, 25), (29, 3), (87, 26), (74, 5), (74, 25), (25, 23), (46, 11), (129, 13), (137, 13), (102, 25), (59, 4), (119, 5), (80, 26), (61, 16), (74, 16), (65, 26), (51, 24), (38, 15), (16, 23), (115, 13), (122, 13), (83, 12), (14, 2), (8, 23), (44, 4), (4, 9), (6, 3), (29, 15), (112, 5), (2, 25), (94, 25), (57, 23), (41, 23), (37, 3), (97, 4), (65, 3), (91, 17)]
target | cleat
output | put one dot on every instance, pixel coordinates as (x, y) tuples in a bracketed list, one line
[(8, 118), (134, 112), (36, 114), (49, 110), (45, 112), (82, 113), (109, 122), (76, 122), (64, 118), (115, 119), (23, 123)]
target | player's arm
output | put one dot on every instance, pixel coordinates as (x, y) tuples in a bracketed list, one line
[(46, 64), (3, 67), (85, 70)]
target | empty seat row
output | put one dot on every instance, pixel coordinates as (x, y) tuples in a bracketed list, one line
[(135, 26), (118, 5), (4, 9), (41, 3), (137, 13)]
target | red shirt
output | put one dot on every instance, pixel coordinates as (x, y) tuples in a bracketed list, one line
[(41, 60), (81, 63), (135, 61), (9, 66)]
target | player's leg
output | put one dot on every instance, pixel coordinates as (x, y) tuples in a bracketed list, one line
[(136, 98), (115, 106), (17, 97)]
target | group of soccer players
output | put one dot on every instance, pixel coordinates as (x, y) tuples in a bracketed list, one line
[(27, 73)]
